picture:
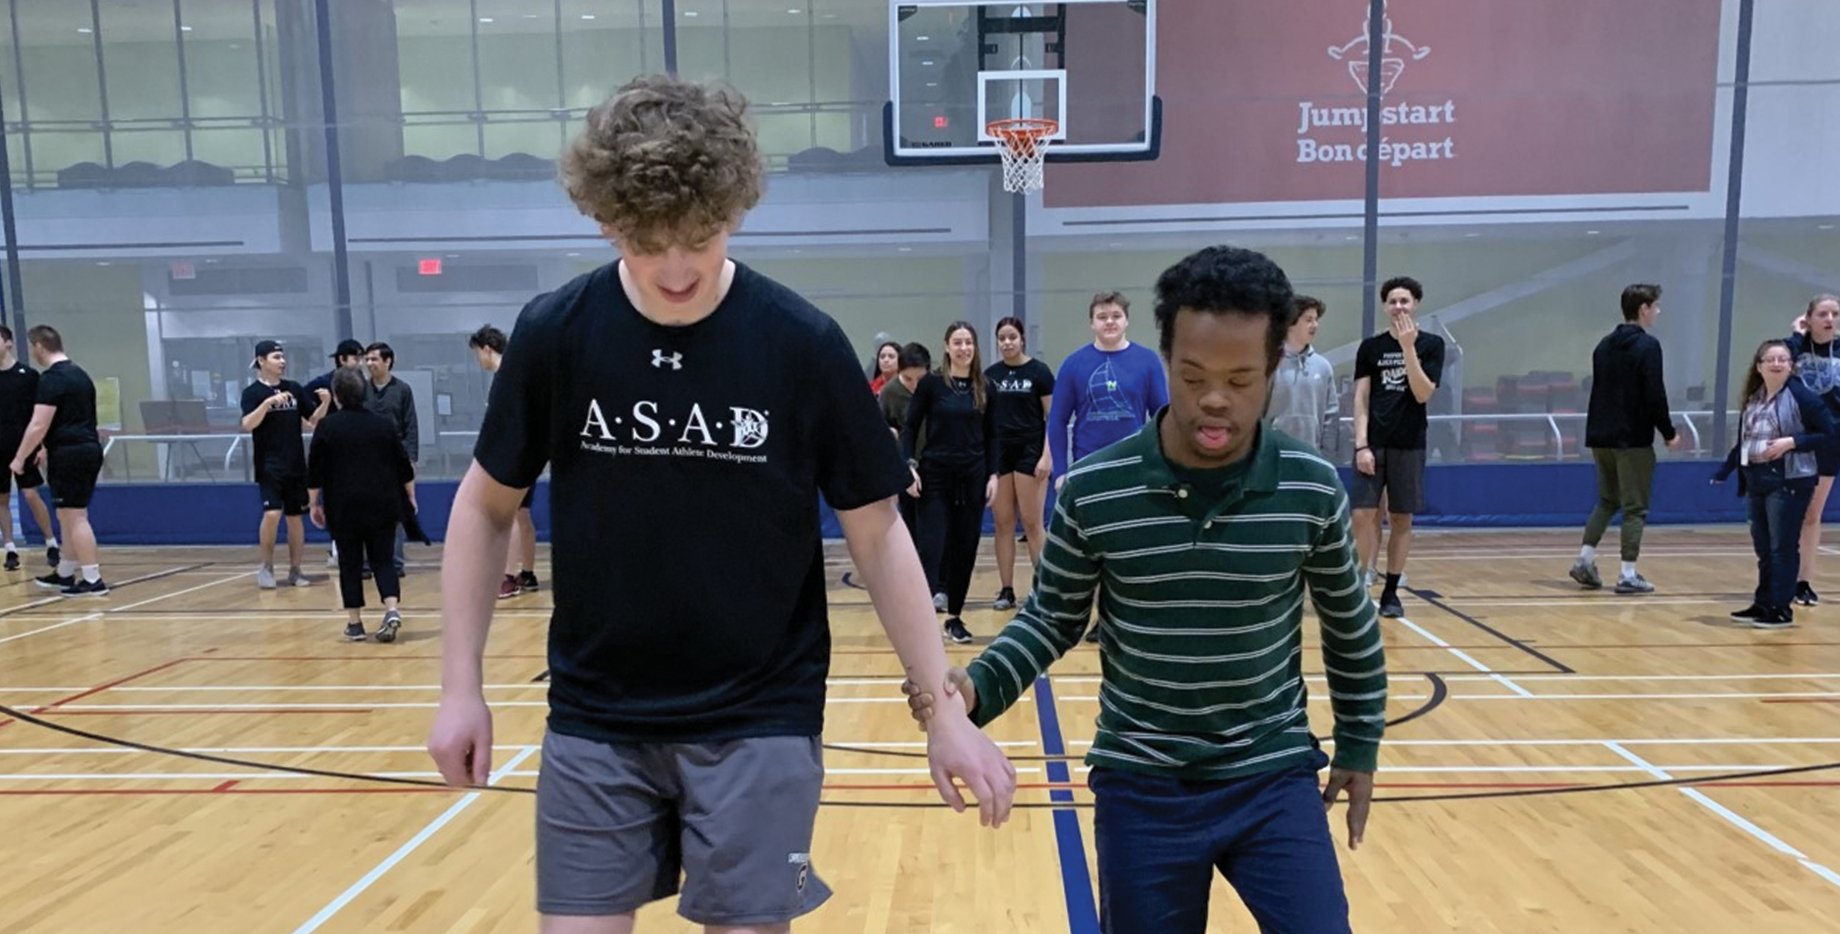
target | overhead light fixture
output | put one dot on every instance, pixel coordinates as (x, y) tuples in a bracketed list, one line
[(924, 38), (795, 12), (485, 19), (84, 30), (185, 29), (691, 13), (587, 16)]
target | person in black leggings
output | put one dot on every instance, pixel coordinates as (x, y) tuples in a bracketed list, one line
[(956, 477)]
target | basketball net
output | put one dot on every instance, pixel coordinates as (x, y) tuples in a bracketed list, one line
[(1022, 142)]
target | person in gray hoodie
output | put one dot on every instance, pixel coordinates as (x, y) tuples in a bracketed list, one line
[(393, 399), (1628, 406), (1304, 403)]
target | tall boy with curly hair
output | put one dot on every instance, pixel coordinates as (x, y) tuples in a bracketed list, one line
[(671, 393)]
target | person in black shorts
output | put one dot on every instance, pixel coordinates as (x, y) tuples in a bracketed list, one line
[(272, 414), (18, 396), (1395, 373), (64, 422), (691, 412), (358, 480), (1024, 391), (488, 344)]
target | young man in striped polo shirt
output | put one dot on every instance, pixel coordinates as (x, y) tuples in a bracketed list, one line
[(1201, 533)]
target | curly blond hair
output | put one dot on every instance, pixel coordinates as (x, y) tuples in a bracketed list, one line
[(665, 161)]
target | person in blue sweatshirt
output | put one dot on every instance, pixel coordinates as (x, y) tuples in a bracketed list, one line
[(1104, 391)]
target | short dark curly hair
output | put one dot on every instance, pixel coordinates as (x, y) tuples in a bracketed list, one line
[(1226, 280), (488, 337), (665, 161)]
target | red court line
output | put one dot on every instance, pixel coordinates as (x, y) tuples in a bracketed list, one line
[(226, 786), (98, 689), (212, 710)]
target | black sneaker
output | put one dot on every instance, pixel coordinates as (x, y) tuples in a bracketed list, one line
[(1390, 607), (392, 621), (956, 631), (54, 581), (1779, 618), (1092, 633), (53, 556), (12, 560), (527, 581), (83, 588), (1006, 599), (1750, 614), (354, 632), (1804, 594)]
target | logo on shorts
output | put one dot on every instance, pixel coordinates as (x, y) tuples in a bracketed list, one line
[(803, 861), (660, 358)]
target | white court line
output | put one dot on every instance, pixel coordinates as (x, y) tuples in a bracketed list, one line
[(1069, 679), (394, 705), (370, 878), (117, 609), (1622, 604), (1732, 817), (1558, 677), (1459, 653), (1021, 770), (1524, 695)]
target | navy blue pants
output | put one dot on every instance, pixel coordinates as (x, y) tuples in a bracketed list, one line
[(1160, 841), (1776, 537)]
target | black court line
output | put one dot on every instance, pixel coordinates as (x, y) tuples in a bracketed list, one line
[(1432, 597)]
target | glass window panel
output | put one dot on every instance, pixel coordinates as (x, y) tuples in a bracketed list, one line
[(57, 54), (434, 42), (221, 65), (236, 148), (518, 58), (141, 55), (605, 43)]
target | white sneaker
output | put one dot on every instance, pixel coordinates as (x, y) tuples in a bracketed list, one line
[(265, 577)]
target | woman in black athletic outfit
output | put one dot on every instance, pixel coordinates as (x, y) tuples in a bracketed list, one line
[(1024, 390), (956, 476)]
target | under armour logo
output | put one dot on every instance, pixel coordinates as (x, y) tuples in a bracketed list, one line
[(659, 359)]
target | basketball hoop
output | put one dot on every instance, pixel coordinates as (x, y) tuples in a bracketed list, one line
[(1022, 142)]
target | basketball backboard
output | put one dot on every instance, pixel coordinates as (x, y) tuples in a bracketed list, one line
[(957, 65)]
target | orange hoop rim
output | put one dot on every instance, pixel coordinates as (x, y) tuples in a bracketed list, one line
[(1014, 129)]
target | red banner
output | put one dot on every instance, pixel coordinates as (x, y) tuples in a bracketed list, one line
[(1265, 100)]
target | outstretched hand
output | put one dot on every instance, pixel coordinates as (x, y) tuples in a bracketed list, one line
[(959, 753)]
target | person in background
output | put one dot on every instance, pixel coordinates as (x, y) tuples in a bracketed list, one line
[(488, 344), (358, 476), (1782, 426)]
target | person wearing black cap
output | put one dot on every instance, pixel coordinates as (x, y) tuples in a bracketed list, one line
[(272, 414), (349, 354)]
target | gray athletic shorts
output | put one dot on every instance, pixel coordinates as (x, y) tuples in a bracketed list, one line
[(1398, 471), (619, 825)]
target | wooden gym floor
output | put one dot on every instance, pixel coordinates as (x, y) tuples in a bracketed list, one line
[(1515, 682)]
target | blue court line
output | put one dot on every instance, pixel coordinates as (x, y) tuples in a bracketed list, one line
[(1082, 913)]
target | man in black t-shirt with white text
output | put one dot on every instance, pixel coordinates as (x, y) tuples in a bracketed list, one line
[(18, 396), (273, 410), (64, 422), (1395, 374), (691, 412)]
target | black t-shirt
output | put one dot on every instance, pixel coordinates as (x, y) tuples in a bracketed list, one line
[(685, 468), (1020, 390), (958, 435), (1395, 417), (65, 386), (18, 397), (280, 454)]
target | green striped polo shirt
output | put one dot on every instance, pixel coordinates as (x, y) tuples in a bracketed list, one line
[(1201, 646)]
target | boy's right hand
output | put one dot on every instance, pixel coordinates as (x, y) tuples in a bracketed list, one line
[(920, 703)]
